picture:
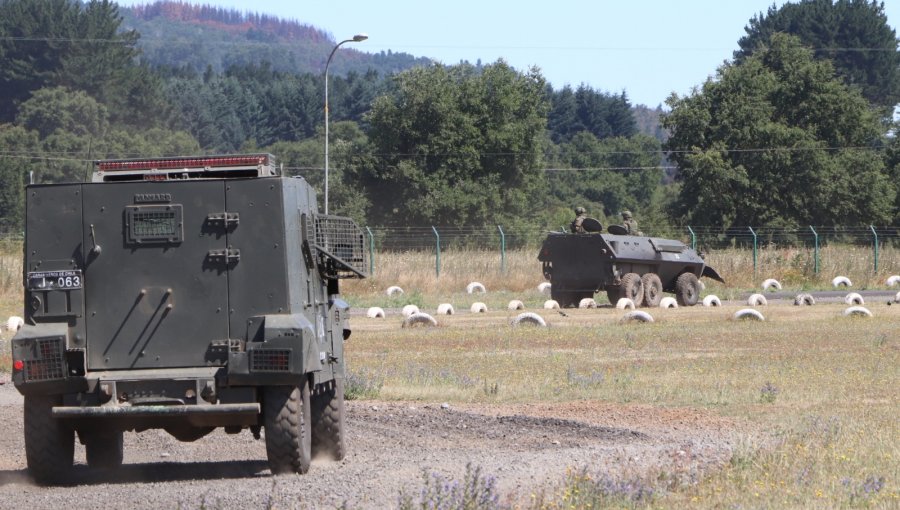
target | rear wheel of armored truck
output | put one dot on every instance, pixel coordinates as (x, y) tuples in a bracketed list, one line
[(632, 288), (104, 449), (560, 296), (49, 443), (653, 290), (687, 289), (328, 420), (565, 298), (286, 415)]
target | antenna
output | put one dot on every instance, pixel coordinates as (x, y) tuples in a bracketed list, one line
[(87, 164)]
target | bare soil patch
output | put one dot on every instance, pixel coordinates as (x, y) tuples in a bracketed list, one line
[(526, 447)]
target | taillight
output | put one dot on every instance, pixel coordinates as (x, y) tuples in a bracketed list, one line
[(18, 365)]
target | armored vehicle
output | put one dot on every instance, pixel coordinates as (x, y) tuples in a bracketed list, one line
[(183, 294), (640, 268)]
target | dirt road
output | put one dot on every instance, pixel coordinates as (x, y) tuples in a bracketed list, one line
[(526, 447)]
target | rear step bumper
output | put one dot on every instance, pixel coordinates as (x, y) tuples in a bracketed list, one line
[(161, 415), (142, 411)]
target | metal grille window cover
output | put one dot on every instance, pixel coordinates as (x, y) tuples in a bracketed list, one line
[(154, 223), (270, 360), (49, 363), (341, 240)]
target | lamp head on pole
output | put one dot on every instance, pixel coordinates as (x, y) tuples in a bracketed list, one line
[(356, 38)]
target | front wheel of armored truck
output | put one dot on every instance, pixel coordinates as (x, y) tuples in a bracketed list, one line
[(328, 420), (104, 449), (286, 416), (49, 443), (613, 294), (653, 290), (632, 288), (687, 289)]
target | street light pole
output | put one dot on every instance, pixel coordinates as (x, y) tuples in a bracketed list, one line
[(356, 38)]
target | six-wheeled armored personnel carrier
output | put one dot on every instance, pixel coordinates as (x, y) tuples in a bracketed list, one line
[(183, 294), (640, 268)]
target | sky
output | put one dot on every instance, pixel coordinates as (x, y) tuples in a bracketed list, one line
[(646, 48)]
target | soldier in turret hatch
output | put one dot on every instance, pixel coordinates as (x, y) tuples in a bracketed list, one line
[(580, 216), (630, 223)]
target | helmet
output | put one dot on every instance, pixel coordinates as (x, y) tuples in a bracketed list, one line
[(580, 210), (626, 214)]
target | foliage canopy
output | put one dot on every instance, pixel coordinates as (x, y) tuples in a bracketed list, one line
[(455, 146), (778, 139), (853, 34)]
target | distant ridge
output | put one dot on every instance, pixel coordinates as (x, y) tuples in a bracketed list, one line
[(183, 35), (229, 20)]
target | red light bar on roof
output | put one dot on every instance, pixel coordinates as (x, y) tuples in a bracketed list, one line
[(180, 163), (231, 166)]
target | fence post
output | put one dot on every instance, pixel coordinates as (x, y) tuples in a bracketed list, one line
[(815, 250), (502, 250), (371, 252), (875, 234), (693, 238), (754, 248), (437, 253)]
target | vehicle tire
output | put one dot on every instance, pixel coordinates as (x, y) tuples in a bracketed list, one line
[(579, 296), (632, 287), (565, 298), (687, 289), (653, 289), (49, 443), (104, 449), (614, 294), (328, 420), (286, 417)]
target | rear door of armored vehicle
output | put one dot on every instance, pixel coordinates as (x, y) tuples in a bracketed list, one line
[(156, 273)]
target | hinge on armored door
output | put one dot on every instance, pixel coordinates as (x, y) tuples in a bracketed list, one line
[(218, 350), (229, 220), (229, 256)]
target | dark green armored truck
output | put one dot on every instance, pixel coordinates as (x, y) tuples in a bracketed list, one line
[(640, 268), (183, 294)]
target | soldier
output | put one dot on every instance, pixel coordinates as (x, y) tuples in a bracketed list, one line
[(630, 223), (580, 215)]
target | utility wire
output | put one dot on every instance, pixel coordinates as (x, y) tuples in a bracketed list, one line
[(293, 44), (596, 153)]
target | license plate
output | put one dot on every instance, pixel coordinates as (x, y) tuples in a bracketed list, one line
[(55, 280)]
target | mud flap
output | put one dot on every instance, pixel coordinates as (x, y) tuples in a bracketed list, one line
[(711, 273)]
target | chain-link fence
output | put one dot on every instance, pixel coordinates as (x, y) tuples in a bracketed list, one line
[(699, 236), (11, 241), (499, 239), (808, 236), (705, 238)]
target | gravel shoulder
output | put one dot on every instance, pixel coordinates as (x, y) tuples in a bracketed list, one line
[(525, 447)]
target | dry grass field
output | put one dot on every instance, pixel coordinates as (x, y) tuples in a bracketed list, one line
[(820, 390), (10, 293), (819, 393)]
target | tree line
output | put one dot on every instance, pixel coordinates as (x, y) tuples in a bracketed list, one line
[(783, 134)]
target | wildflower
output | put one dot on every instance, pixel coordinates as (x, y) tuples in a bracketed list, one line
[(768, 393)]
